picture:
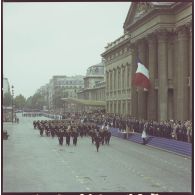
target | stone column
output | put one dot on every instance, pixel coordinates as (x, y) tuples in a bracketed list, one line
[(142, 95), (162, 75), (108, 82), (117, 80), (126, 77), (175, 41), (127, 110), (183, 69), (134, 95), (152, 66), (114, 78), (113, 87), (122, 78), (190, 70), (117, 106)]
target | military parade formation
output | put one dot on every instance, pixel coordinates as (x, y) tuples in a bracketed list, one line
[(69, 129)]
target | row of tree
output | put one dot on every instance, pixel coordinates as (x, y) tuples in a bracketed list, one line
[(36, 101)]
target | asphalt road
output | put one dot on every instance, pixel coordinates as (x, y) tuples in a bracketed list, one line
[(38, 164)]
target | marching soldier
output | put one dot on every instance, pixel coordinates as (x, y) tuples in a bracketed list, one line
[(61, 137), (97, 142)]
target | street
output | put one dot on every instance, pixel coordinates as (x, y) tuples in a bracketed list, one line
[(38, 164)]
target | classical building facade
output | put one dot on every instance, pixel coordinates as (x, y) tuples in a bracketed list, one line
[(161, 36), (118, 66), (65, 87), (94, 84)]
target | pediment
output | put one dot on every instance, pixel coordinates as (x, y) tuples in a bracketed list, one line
[(137, 11)]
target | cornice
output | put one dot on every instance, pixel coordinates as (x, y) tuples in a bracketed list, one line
[(148, 16), (118, 58), (116, 47)]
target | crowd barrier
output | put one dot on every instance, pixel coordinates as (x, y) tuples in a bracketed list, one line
[(178, 147)]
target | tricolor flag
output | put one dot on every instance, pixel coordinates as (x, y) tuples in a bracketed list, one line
[(141, 77)]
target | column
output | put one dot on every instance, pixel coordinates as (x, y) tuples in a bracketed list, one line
[(133, 92), (117, 80), (127, 111), (183, 69), (175, 76), (113, 87), (117, 106), (107, 79), (108, 82), (190, 69), (122, 77), (142, 98), (152, 65), (126, 77), (162, 75), (114, 78)]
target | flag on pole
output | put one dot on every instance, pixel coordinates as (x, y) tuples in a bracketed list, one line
[(141, 77)]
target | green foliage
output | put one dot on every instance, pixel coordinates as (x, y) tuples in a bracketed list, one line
[(19, 101), (36, 101), (57, 102)]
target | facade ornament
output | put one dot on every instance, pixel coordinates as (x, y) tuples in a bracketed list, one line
[(142, 8)]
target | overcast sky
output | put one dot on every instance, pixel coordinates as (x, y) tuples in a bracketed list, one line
[(45, 39)]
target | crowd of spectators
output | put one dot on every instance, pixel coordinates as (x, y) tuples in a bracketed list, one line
[(171, 129)]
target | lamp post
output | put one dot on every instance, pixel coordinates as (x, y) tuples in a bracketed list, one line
[(12, 103)]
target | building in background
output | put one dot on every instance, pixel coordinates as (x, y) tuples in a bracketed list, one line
[(93, 83), (62, 86), (92, 95), (6, 87)]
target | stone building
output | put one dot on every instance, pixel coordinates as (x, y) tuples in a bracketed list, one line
[(64, 87), (6, 87), (92, 96), (94, 85), (118, 66), (161, 36)]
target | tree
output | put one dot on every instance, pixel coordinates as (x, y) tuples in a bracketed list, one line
[(37, 101), (7, 99), (19, 101), (57, 102), (28, 102)]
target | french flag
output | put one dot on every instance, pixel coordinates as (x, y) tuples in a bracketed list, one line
[(141, 77)]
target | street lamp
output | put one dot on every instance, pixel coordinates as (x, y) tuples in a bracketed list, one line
[(12, 103)]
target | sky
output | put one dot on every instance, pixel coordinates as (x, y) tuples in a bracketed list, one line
[(65, 38)]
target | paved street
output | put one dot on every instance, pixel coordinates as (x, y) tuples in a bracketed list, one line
[(38, 164)]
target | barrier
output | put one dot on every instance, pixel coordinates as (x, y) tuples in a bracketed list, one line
[(178, 147)]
